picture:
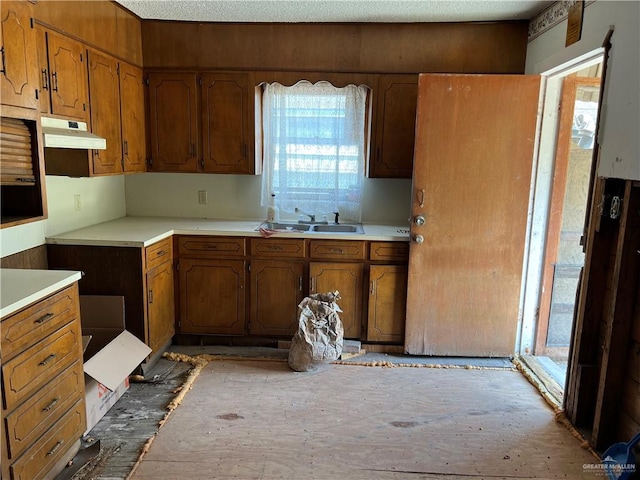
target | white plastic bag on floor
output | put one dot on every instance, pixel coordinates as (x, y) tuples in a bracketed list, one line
[(320, 333)]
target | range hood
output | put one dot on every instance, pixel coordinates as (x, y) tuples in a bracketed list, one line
[(70, 134)]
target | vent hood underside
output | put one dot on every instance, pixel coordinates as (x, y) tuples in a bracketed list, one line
[(70, 134)]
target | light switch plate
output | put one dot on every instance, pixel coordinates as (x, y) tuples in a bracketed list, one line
[(202, 197)]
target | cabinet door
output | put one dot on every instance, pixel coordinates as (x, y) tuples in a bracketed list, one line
[(134, 146), (276, 291), (347, 279), (212, 298), (19, 79), (68, 77), (104, 91), (395, 122), (387, 303), (44, 80), (173, 114), (160, 305), (225, 123)]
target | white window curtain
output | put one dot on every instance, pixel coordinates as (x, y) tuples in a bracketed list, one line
[(314, 148)]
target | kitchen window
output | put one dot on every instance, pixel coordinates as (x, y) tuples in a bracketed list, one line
[(315, 142)]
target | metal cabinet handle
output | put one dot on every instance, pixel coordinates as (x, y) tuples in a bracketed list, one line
[(300, 283), (45, 79), (47, 360), (337, 250), (55, 448), (54, 83), (312, 284), (51, 405), (43, 318), (150, 296), (160, 253), (4, 67), (373, 287)]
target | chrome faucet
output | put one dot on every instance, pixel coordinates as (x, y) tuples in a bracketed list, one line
[(312, 218)]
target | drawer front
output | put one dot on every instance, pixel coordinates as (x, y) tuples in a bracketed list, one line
[(158, 253), (336, 249), (34, 323), (36, 462), (38, 413), (211, 247), (34, 367), (392, 251), (291, 248)]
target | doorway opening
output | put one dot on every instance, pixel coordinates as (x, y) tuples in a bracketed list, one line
[(560, 256)]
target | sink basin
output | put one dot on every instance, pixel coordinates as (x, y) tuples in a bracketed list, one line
[(338, 228), (285, 226)]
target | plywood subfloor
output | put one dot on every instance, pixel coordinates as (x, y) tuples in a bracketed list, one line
[(259, 420)]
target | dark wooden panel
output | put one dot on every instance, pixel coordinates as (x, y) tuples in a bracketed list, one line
[(362, 47), (101, 24), (34, 258)]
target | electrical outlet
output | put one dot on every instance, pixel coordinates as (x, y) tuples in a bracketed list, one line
[(77, 205), (202, 197)]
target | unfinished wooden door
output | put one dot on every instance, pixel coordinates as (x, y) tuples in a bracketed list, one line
[(471, 178), (68, 76), (160, 305)]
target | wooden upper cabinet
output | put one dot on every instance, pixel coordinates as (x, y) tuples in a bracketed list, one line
[(394, 126), (64, 76), (104, 92), (173, 122), (19, 81), (225, 123), (133, 118)]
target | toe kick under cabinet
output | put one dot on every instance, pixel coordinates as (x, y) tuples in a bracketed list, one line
[(43, 407), (144, 276)]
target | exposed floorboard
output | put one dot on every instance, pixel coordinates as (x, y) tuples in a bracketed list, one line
[(257, 419)]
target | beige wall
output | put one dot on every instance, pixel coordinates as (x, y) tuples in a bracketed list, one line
[(238, 196)]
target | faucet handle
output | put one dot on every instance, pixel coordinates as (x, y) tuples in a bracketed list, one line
[(335, 220)]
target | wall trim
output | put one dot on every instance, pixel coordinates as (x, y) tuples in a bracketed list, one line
[(551, 16)]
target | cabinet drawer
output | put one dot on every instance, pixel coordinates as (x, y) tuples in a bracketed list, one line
[(211, 247), (393, 251), (37, 365), (158, 253), (263, 247), (336, 249), (36, 462), (34, 323), (38, 413)]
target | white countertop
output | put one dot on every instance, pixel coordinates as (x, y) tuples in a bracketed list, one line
[(144, 231), (20, 288)]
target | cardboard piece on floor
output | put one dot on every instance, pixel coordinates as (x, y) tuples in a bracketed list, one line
[(117, 360)]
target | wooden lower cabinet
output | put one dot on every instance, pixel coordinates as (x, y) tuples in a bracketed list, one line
[(142, 275), (347, 279), (160, 305), (387, 303), (43, 403), (212, 296), (276, 291)]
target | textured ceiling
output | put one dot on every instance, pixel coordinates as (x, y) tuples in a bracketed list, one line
[(335, 10)]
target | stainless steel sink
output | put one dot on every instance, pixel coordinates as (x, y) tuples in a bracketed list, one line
[(312, 228), (338, 228), (285, 226)]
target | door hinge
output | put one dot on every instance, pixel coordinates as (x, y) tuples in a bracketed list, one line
[(249, 266), (84, 107), (178, 265), (150, 162), (146, 81), (37, 97), (31, 22), (200, 81), (81, 58)]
